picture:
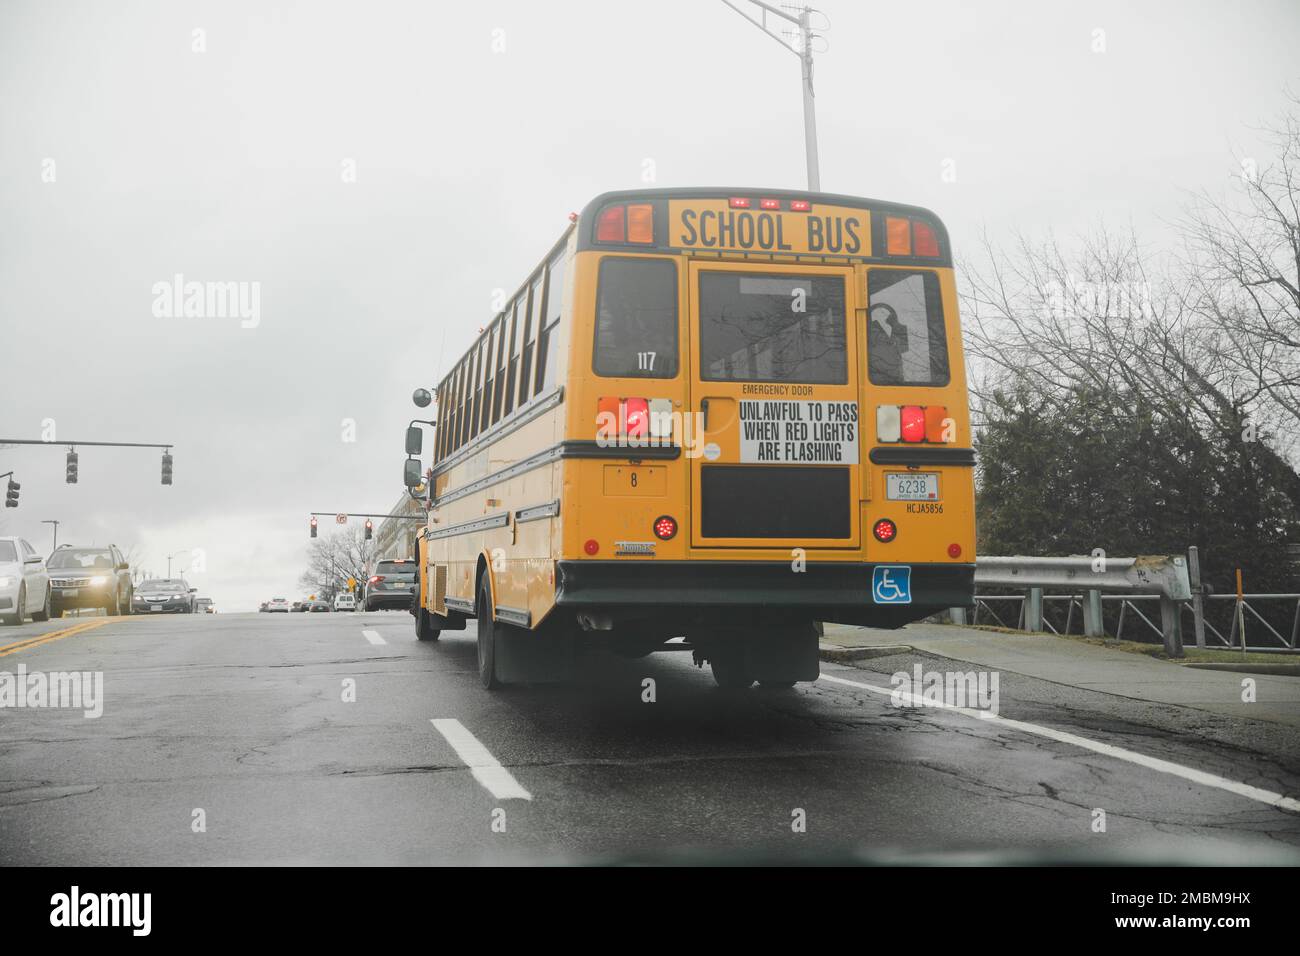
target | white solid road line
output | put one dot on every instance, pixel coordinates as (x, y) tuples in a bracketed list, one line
[(1119, 753), (373, 637), (486, 768)]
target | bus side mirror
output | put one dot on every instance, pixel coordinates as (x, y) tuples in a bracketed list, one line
[(414, 440), (411, 473), (422, 397)]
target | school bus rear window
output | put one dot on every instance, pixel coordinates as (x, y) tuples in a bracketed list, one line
[(636, 319), (772, 328), (905, 336)]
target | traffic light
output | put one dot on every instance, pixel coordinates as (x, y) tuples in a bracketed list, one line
[(72, 468), (167, 469), (370, 528), (313, 527), (11, 494)]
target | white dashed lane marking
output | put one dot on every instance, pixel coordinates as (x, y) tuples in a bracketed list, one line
[(373, 637), (487, 770)]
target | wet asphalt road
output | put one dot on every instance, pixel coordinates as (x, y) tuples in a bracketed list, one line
[(240, 720)]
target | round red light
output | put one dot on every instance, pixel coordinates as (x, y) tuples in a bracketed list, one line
[(665, 527), (885, 530), (592, 546), (954, 550)]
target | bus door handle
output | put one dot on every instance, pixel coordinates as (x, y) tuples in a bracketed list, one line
[(720, 408)]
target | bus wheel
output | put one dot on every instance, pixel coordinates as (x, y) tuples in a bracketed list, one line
[(487, 642), (730, 669), (424, 629)]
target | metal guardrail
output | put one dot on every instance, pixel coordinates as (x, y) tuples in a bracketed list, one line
[(1163, 577), (1170, 579)]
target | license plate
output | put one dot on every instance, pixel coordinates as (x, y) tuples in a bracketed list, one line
[(912, 486), (68, 592), (155, 607)]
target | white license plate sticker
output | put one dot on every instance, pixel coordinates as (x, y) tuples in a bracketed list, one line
[(912, 486)]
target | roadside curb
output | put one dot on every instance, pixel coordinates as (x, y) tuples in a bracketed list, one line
[(1274, 670), (842, 655)]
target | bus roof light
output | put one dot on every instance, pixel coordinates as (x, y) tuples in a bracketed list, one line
[(738, 202), (800, 205), (769, 204), (610, 225), (913, 423), (898, 236), (640, 223), (927, 243)]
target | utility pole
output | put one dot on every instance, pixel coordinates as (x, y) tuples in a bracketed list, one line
[(56, 533), (805, 53)]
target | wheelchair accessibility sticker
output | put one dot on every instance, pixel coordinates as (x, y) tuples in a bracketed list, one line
[(892, 584)]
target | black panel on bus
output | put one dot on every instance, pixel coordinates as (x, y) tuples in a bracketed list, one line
[(775, 501)]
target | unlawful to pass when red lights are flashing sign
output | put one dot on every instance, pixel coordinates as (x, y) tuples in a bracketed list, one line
[(799, 433)]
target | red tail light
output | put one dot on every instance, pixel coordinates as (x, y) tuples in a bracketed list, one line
[(665, 527), (375, 579), (913, 423), (592, 546), (611, 226), (885, 530), (954, 550), (638, 418)]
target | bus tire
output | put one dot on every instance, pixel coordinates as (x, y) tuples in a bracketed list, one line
[(487, 643), (424, 629)]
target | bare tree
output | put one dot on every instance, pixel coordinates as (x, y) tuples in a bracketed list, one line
[(334, 558)]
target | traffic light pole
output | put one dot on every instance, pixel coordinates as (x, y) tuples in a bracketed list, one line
[(72, 452), (356, 514)]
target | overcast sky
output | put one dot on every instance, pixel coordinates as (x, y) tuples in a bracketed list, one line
[(128, 156)]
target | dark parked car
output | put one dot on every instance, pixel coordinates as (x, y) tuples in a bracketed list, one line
[(391, 586), (89, 577), (165, 596), (316, 607)]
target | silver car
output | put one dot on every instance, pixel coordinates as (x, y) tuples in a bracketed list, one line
[(24, 583)]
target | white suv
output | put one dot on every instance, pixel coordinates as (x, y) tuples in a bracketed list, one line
[(345, 602), (24, 583)]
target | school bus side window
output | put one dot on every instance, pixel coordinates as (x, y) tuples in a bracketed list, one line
[(636, 319), (906, 344), (549, 340)]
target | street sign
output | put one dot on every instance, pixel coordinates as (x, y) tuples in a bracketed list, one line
[(352, 582), (341, 519)]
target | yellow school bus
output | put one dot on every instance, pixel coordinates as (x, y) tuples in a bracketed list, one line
[(722, 415)]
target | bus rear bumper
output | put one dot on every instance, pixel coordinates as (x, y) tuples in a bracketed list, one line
[(734, 591)]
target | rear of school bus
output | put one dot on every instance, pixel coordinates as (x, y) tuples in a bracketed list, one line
[(766, 426)]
